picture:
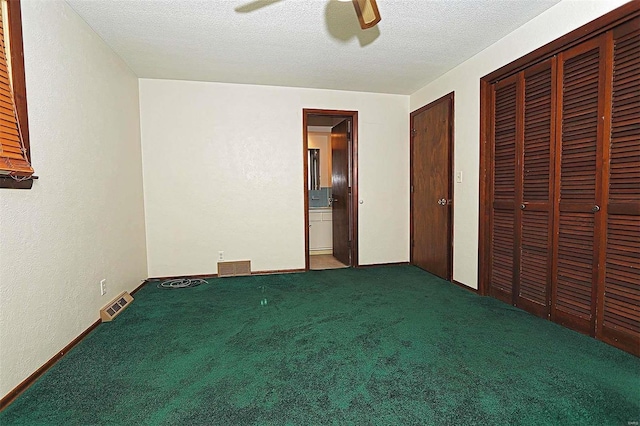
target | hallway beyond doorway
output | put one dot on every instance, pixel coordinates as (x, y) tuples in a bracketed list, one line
[(325, 261)]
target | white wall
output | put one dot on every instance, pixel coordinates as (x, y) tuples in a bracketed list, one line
[(84, 218), (464, 80), (223, 171)]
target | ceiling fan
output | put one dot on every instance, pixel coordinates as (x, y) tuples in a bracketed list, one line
[(366, 10), (368, 13)]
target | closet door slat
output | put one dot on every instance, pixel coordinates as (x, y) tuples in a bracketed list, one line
[(537, 186), (580, 94), (503, 189), (619, 319), (560, 206)]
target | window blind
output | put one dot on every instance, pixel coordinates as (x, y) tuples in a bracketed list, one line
[(13, 159)]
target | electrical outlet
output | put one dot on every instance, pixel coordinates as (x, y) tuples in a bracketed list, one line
[(220, 255), (103, 287)]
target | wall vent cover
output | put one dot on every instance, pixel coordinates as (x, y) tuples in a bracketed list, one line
[(116, 306), (236, 268)]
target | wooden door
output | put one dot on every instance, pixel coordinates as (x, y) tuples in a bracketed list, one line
[(522, 210), (503, 203), (619, 292), (579, 185), (340, 190), (534, 233), (431, 143), (569, 124)]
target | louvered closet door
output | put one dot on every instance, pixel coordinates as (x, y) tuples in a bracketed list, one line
[(503, 190), (536, 207), (578, 185), (619, 309)]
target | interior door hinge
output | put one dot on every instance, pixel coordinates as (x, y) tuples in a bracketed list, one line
[(411, 188)]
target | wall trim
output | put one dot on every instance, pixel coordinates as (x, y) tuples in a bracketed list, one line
[(26, 383), (464, 286), (279, 271), (375, 265), (208, 276), (320, 252), (175, 277), (269, 272)]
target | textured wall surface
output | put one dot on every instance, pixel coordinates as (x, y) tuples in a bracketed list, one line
[(464, 80), (223, 171), (84, 218)]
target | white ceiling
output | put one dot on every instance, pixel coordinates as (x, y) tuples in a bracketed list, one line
[(303, 43)]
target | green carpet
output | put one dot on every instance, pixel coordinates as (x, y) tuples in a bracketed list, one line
[(380, 346)]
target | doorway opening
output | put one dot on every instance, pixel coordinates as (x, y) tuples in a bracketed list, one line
[(330, 140)]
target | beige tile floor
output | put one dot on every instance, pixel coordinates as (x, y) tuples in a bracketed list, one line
[(325, 261)]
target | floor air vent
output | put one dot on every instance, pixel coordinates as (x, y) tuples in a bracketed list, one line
[(116, 306), (234, 269)]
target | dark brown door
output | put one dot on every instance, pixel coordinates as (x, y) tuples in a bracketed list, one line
[(619, 293), (340, 191), (431, 187), (535, 185), (579, 185), (522, 214), (503, 184), (570, 128)]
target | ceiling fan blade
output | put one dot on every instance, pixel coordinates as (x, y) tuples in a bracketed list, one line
[(368, 13), (255, 5)]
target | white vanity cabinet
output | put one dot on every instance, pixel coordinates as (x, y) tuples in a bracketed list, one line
[(320, 229)]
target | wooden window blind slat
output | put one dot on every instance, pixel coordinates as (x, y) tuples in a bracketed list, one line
[(12, 154)]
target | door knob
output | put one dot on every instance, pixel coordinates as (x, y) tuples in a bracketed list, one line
[(442, 201)]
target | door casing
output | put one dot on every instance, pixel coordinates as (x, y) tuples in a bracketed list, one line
[(353, 153)]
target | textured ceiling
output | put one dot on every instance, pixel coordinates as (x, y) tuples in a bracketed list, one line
[(303, 43)]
